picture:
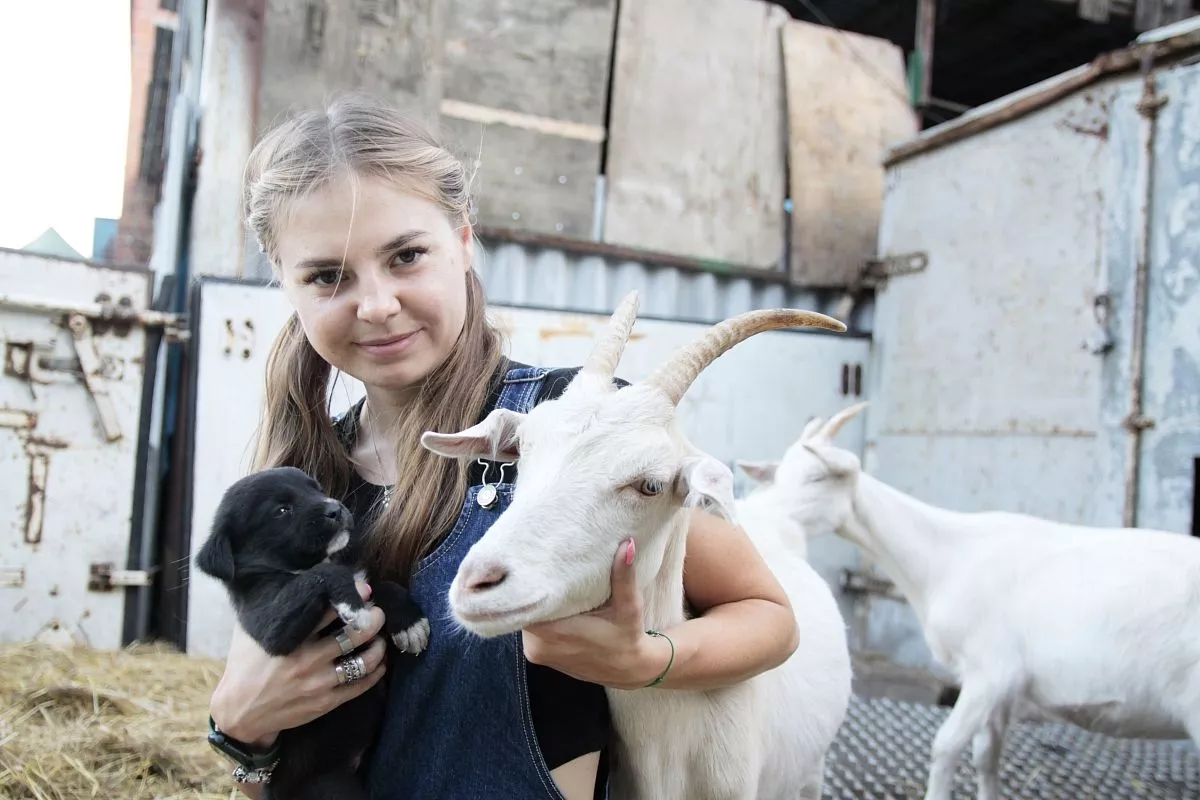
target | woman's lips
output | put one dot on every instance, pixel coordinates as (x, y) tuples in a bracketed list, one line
[(389, 346)]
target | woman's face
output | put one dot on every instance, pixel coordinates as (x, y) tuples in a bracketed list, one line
[(378, 280)]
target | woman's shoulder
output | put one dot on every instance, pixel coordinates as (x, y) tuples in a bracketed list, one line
[(556, 379)]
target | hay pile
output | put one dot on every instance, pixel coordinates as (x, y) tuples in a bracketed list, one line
[(77, 723)]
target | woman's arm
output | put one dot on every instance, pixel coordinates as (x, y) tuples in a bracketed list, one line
[(745, 625)]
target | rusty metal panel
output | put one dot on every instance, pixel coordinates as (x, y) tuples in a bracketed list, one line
[(748, 404), (985, 396), (69, 410)]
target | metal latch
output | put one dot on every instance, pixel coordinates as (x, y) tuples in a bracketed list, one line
[(853, 582), (876, 271), (93, 375), (105, 577)]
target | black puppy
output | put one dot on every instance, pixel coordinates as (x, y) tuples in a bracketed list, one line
[(286, 553)]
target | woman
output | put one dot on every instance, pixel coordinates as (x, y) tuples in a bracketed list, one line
[(365, 220)]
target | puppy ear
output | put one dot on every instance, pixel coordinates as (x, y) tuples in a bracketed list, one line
[(216, 556)]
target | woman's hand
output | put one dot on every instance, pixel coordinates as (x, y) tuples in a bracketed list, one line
[(608, 646), (260, 695)]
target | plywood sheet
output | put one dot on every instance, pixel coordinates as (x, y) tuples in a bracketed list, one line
[(525, 89), (316, 48), (846, 102), (697, 138)]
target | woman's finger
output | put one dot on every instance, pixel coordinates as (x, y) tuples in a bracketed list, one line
[(364, 591), (331, 648)]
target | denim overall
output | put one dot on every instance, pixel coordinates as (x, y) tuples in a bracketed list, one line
[(458, 725)]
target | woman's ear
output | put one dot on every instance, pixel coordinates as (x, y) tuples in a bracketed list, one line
[(468, 243)]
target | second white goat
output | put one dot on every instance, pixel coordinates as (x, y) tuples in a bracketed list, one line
[(1038, 620)]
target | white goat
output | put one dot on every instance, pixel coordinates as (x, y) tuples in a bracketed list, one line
[(598, 465), (1038, 620)]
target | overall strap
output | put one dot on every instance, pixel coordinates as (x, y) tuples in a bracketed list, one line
[(520, 388)]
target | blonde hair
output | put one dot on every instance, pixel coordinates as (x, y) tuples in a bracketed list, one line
[(360, 136)]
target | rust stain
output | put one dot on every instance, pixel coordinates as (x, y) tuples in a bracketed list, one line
[(35, 506), (581, 329)]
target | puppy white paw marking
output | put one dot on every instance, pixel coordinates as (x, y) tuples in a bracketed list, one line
[(358, 619), (338, 542), (413, 639)]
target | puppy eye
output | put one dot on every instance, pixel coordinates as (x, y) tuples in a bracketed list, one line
[(281, 511), (649, 487)]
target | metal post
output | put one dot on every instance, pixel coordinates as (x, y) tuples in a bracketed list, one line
[(923, 52)]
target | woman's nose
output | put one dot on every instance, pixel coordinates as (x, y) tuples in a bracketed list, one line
[(378, 303)]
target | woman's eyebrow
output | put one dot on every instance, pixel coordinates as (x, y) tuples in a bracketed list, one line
[(320, 263), (400, 241)]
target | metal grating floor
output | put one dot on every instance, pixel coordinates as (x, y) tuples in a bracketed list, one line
[(882, 753)]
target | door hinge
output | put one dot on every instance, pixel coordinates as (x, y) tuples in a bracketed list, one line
[(876, 271), (12, 577), (105, 577)]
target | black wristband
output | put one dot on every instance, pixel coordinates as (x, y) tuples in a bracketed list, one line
[(239, 752)]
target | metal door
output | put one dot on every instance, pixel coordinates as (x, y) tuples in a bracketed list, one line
[(73, 341)]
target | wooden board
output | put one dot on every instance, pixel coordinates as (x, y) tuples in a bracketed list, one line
[(527, 180), (697, 139), (313, 49), (846, 102), (525, 89), (548, 58)]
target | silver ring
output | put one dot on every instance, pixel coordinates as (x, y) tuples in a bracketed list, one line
[(343, 640), (350, 669)]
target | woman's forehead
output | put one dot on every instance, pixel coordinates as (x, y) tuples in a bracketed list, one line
[(354, 215)]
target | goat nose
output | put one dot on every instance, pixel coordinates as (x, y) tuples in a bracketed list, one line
[(484, 577), (333, 509)]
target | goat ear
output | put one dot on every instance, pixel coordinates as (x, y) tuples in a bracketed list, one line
[(839, 462), (216, 556), (494, 439), (761, 471), (708, 484)]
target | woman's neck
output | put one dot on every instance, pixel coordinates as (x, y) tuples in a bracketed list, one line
[(375, 443)]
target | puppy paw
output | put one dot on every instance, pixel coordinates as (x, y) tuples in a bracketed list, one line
[(414, 638), (359, 619)]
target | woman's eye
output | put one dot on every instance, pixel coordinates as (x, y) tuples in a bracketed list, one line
[(649, 487), (328, 277), (282, 511), (408, 257)]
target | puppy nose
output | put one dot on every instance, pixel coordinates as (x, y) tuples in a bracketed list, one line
[(484, 577), (333, 509)]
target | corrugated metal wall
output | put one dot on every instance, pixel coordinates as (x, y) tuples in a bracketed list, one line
[(557, 278)]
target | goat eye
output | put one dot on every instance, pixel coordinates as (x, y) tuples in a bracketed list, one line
[(282, 511), (650, 487)]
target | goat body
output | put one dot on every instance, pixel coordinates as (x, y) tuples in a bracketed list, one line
[(763, 738), (1039, 620)]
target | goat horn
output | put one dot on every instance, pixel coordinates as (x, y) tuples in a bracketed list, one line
[(606, 353), (676, 375), (839, 419)]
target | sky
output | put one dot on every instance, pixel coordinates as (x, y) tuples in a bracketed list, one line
[(64, 91)]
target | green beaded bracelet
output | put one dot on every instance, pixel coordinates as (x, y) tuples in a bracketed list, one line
[(662, 676)]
